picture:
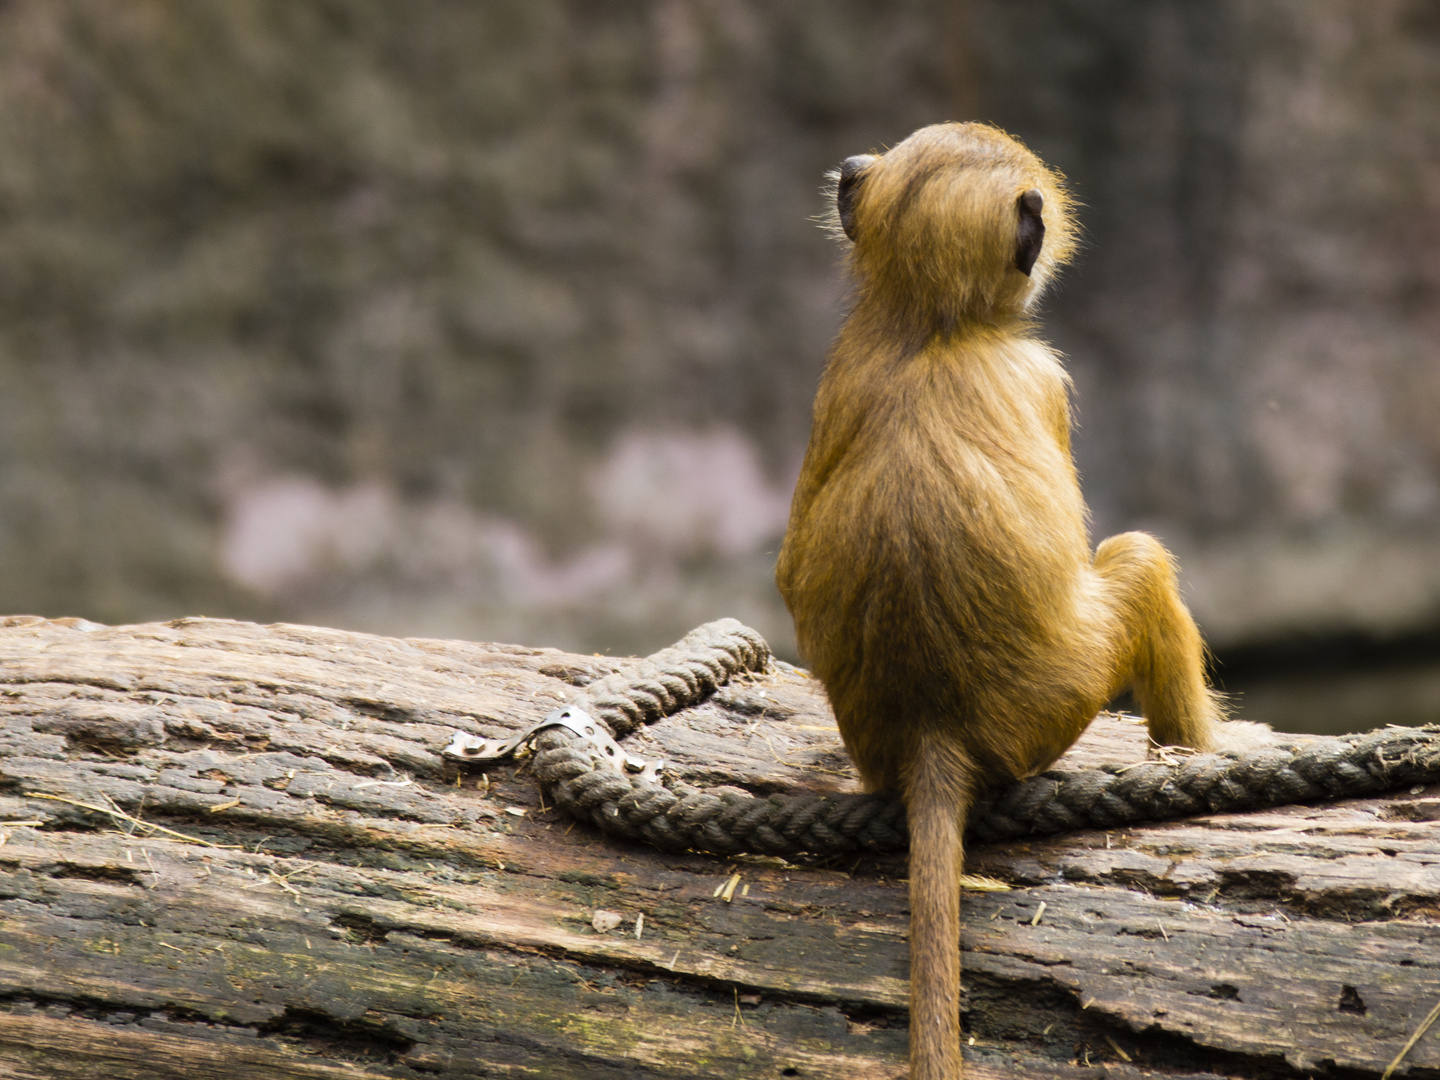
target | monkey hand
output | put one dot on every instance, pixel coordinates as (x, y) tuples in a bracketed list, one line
[(1238, 736)]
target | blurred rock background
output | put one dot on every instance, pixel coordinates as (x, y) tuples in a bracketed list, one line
[(501, 319)]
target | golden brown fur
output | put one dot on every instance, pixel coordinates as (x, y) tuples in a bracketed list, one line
[(937, 563)]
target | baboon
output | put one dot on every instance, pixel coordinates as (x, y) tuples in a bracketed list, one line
[(937, 563)]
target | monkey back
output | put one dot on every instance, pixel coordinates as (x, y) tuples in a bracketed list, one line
[(934, 560)]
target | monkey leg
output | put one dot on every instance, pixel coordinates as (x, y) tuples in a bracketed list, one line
[(938, 793), (1158, 652)]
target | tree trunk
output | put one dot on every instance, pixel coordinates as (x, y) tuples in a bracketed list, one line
[(236, 851)]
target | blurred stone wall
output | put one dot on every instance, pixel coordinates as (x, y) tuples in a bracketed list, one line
[(502, 319), (1255, 330)]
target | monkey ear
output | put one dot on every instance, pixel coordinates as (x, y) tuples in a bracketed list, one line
[(1031, 233), (852, 169)]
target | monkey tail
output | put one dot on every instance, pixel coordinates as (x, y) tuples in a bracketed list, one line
[(938, 792)]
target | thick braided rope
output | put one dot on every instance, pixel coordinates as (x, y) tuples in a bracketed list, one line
[(1302, 769), (730, 821), (676, 678)]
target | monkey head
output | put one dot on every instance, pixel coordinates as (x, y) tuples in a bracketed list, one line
[(956, 224)]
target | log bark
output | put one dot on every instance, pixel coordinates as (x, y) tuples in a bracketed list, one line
[(236, 851)]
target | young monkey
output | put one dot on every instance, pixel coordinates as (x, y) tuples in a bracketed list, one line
[(936, 563)]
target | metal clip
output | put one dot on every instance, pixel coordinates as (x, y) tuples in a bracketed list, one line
[(466, 747)]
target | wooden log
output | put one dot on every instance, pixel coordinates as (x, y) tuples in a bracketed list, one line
[(245, 857)]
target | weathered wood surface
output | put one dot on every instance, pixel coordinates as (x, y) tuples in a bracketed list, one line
[(366, 911)]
